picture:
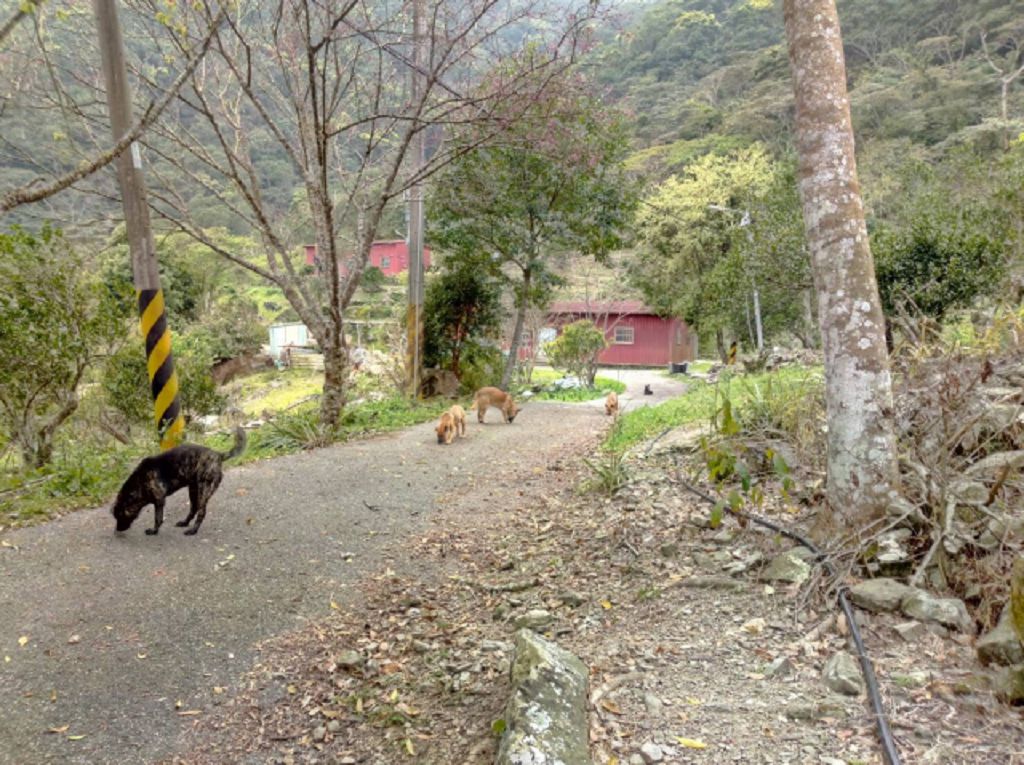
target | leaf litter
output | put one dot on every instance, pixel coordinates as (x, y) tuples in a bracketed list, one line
[(416, 669)]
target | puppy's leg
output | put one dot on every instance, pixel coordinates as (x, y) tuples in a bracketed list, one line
[(193, 503), (158, 516), (206, 491)]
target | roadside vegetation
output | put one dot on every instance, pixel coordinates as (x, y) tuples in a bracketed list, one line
[(784, 400)]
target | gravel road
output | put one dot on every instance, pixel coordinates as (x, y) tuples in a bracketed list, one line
[(127, 638)]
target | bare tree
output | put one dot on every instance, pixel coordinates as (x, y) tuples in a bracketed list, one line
[(862, 471), (322, 86), (40, 188), (1008, 70)]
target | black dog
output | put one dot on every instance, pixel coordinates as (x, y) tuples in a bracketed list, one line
[(197, 467)]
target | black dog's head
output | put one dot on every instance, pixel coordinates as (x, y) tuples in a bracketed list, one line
[(128, 505)]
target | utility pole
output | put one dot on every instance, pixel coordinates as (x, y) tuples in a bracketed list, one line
[(414, 212), (145, 272), (745, 222)]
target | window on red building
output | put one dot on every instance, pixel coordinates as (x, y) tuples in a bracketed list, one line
[(623, 336), (385, 262)]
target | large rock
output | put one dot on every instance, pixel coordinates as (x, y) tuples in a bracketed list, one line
[(1001, 645), (949, 612), (546, 718), (842, 674), (788, 567), (882, 594)]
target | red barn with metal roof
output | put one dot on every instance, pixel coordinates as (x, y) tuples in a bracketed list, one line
[(636, 335)]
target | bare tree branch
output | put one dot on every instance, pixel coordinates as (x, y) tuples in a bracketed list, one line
[(33, 193)]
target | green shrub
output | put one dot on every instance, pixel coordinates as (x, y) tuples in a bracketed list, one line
[(125, 381), (576, 350), (482, 367), (295, 431)]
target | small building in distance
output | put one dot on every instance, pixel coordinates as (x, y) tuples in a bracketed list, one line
[(636, 335), (391, 256)]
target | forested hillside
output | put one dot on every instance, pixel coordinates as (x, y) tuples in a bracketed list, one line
[(703, 74), (938, 111)]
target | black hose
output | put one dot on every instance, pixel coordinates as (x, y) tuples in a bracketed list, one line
[(889, 750)]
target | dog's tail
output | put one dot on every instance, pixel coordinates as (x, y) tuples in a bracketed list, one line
[(239, 447), (473, 406)]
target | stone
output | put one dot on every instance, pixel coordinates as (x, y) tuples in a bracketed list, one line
[(787, 567), (876, 595), (319, 733), (781, 667), (812, 711), (333, 726), (653, 704), (669, 550), (994, 463), (754, 626), (918, 679), (713, 583), (703, 560), (893, 558), (651, 753), (1009, 684), (495, 645), (1000, 645), (968, 492), (949, 612), (534, 619), (546, 716), (571, 599), (842, 674), (350, 659), (910, 631)]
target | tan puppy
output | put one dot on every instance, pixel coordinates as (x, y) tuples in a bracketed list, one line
[(611, 404), (487, 397), (459, 418), (446, 428)]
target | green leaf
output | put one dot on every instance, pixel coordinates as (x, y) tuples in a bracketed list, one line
[(716, 515), (498, 726)]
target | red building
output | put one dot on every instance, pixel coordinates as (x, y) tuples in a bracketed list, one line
[(636, 335), (390, 256)]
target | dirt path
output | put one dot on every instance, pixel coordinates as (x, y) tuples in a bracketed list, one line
[(127, 636)]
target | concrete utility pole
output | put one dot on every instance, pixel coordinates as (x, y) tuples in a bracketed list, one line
[(414, 212), (145, 271)]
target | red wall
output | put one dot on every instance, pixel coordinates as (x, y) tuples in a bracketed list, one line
[(654, 340), (396, 251), (651, 336)]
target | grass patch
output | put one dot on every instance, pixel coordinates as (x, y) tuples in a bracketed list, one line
[(776, 401), (83, 473), (88, 470), (602, 385), (274, 390)]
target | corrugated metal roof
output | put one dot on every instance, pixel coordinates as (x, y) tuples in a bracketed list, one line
[(635, 307)]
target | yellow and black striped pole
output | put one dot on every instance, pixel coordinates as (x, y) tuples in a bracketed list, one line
[(145, 271), (163, 380)]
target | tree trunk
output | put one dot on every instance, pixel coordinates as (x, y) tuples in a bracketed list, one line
[(723, 354), (862, 473), (513, 352), (335, 379)]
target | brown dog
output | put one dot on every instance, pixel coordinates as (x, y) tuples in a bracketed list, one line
[(446, 428), (499, 399), (611, 404), (459, 417), (157, 477)]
